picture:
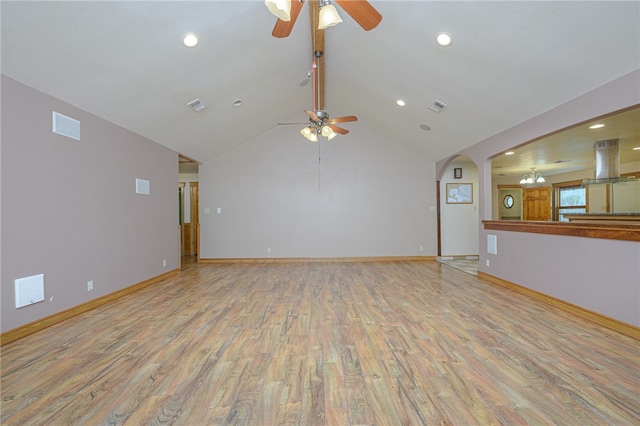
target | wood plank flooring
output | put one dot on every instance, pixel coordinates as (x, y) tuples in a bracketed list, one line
[(384, 343)]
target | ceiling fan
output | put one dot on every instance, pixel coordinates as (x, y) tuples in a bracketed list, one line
[(321, 125), (319, 122), (363, 13), (360, 10)]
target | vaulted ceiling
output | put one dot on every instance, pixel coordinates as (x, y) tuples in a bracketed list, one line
[(509, 61)]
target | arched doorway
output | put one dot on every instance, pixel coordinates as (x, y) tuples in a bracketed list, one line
[(459, 218)]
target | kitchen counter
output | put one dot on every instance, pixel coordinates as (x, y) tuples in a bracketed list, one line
[(608, 218)]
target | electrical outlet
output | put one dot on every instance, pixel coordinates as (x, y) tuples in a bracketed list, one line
[(421, 248), (164, 262), (487, 262), (90, 285), (269, 250)]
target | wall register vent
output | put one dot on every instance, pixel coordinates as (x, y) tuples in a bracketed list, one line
[(29, 290), (143, 187), (66, 126)]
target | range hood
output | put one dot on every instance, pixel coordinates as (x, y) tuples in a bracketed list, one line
[(606, 164)]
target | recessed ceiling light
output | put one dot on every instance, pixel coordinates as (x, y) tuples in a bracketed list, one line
[(597, 126), (190, 40), (237, 102), (509, 153), (444, 39), (400, 102), (425, 127)]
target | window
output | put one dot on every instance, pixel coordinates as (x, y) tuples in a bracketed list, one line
[(570, 198)]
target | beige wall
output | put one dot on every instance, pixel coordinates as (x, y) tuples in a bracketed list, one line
[(368, 196), (600, 275), (69, 208)]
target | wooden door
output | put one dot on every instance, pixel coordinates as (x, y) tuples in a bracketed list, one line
[(536, 203), (195, 222), (181, 186), (190, 224)]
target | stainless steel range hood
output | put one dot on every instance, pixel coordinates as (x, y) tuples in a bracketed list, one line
[(606, 165)]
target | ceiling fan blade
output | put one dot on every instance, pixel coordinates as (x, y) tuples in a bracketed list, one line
[(297, 124), (343, 119), (312, 115), (282, 28), (339, 129), (361, 12)]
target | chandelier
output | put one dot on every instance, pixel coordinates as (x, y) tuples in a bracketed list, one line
[(532, 177)]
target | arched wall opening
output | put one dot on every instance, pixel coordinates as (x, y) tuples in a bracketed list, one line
[(459, 216)]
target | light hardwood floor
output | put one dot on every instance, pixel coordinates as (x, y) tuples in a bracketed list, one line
[(384, 343)]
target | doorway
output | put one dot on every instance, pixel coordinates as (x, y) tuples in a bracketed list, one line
[(189, 223), (458, 215)]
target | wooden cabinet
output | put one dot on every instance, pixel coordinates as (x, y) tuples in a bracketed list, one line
[(536, 203)]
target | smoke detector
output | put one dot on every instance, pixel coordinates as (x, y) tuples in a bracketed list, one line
[(437, 106), (197, 105)]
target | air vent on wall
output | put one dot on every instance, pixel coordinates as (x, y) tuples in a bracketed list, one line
[(197, 105), (437, 106), (143, 186), (66, 126)]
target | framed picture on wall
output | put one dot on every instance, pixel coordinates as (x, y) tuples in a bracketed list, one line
[(459, 193), (457, 173)]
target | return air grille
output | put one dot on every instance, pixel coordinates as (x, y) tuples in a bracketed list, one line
[(437, 106), (197, 105), (66, 126)]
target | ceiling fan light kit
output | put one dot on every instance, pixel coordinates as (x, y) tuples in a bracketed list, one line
[(310, 133), (279, 8)]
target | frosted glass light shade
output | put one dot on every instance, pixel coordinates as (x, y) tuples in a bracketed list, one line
[(328, 17), (280, 8)]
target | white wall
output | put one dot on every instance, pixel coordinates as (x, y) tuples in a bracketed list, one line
[(459, 222), (368, 196)]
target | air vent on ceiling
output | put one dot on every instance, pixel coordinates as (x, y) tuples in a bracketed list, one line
[(437, 106), (197, 105)]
